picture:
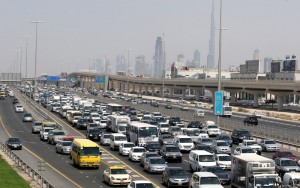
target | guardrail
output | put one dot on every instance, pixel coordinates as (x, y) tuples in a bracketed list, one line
[(34, 175)]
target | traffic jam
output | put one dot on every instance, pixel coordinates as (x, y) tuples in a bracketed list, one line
[(155, 141)]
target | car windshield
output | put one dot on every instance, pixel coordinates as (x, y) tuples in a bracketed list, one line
[(215, 170), (89, 151), (67, 143), (244, 132), (82, 120), (154, 145), (27, 115), (120, 138), (93, 125), (186, 140), (151, 155), (177, 172), (139, 150), (251, 143), (47, 130), (206, 158), (176, 129), (118, 171), (222, 144), (103, 121), (209, 180), (106, 135), (157, 161), (264, 181), (206, 140), (223, 137), (166, 137), (122, 128), (38, 124), (95, 131), (172, 149), (212, 127), (247, 150), (270, 142), (15, 140), (144, 185), (128, 145), (224, 158), (59, 133), (147, 132), (176, 119), (285, 154), (193, 132), (164, 125), (288, 163)]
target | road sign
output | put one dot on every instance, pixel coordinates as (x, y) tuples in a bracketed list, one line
[(100, 80), (218, 107)]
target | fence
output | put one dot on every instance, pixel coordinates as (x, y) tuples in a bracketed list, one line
[(34, 175)]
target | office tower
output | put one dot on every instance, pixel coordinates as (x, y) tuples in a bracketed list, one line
[(196, 60), (159, 58), (256, 54), (211, 50), (121, 64), (140, 65), (107, 69), (267, 64)]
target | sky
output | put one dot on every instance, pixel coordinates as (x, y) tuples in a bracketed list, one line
[(76, 31)]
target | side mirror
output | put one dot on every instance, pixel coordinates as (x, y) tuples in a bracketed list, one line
[(251, 179)]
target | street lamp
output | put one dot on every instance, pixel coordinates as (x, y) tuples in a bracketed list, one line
[(21, 51), (26, 37), (35, 59), (128, 70)]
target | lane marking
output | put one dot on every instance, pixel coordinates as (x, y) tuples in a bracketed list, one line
[(53, 168)]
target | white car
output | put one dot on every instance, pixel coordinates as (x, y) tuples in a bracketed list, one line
[(141, 183), (125, 147), (103, 123), (212, 130), (183, 142), (223, 161), (252, 144), (19, 108), (105, 139), (135, 153), (243, 150)]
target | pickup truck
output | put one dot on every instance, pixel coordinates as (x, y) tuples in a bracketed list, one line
[(252, 144)]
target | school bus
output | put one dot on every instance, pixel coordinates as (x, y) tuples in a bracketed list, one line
[(85, 153)]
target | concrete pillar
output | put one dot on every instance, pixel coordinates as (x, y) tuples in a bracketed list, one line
[(183, 93), (280, 102), (146, 89), (152, 90), (161, 90), (133, 87), (232, 97), (255, 100), (171, 91), (140, 89), (122, 87), (198, 94)]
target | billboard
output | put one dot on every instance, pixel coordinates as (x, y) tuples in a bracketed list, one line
[(100, 80), (289, 65), (53, 78)]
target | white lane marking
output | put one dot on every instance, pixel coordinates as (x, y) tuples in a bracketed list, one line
[(111, 162), (135, 176), (107, 158)]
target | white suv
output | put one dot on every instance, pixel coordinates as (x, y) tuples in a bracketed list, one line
[(183, 142), (19, 108)]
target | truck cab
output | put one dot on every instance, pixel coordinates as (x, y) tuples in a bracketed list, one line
[(291, 180)]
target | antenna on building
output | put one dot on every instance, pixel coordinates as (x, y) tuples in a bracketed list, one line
[(287, 57)]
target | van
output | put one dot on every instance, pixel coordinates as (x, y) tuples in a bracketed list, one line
[(291, 180), (204, 180), (85, 153), (184, 143), (199, 159), (199, 113), (116, 139)]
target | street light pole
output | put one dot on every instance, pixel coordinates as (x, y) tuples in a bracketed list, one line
[(21, 52), (35, 58), (26, 37), (127, 72)]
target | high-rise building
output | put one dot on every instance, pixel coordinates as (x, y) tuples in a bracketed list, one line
[(196, 60), (140, 65), (159, 58), (121, 65), (267, 64), (256, 54), (211, 50), (107, 69)]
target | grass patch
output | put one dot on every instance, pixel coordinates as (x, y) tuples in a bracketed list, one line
[(9, 178)]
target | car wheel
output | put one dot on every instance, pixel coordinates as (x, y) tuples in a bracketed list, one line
[(168, 184)]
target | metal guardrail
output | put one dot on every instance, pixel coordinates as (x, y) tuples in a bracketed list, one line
[(34, 175)]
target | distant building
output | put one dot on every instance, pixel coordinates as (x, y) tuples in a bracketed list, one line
[(267, 64), (121, 64), (159, 58), (276, 66), (196, 60), (139, 65), (256, 54), (211, 50)]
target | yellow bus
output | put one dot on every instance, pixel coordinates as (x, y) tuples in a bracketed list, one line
[(49, 124), (85, 153), (74, 116)]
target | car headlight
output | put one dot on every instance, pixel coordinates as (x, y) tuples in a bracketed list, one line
[(285, 169), (91, 135), (112, 178), (167, 154), (171, 179)]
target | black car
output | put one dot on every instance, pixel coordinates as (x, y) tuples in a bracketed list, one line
[(238, 135), (171, 152), (173, 120), (153, 146), (13, 143), (199, 146), (195, 124), (155, 104), (93, 134), (175, 177), (15, 101), (223, 176), (168, 106), (82, 123), (251, 120)]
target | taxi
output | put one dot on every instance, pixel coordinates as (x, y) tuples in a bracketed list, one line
[(116, 175)]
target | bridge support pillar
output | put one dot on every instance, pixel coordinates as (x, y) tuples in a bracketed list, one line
[(161, 90), (232, 97), (255, 100), (171, 91), (146, 89), (133, 88), (280, 102), (197, 94), (153, 90), (122, 87), (183, 93), (140, 89)]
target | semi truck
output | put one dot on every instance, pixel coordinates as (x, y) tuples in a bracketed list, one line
[(253, 171), (119, 123)]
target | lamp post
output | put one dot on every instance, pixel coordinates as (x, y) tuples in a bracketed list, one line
[(35, 57), (21, 52), (26, 47), (128, 62)]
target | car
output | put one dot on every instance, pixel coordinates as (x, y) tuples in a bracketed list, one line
[(163, 127), (92, 126), (15, 101), (55, 135), (36, 127), (268, 145), (135, 153), (116, 175), (153, 146), (171, 152), (195, 133), (175, 130), (243, 150), (223, 161), (284, 154), (165, 139), (155, 165), (145, 155), (19, 108), (44, 133), (154, 104), (283, 165), (63, 147), (199, 146), (205, 141), (252, 144), (204, 179), (93, 134), (184, 143), (238, 135), (221, 147), (195, 124), (226, 138), (105, 139), (82, 123), (175, 177), (125, 147), (251, 120), (223, 176), (141, 184), (256, 114), (168, 106), (173, 120), (13, 143), (212, 130), (184, 108)]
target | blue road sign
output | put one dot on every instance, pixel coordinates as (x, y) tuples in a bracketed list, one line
[(100, 79), (218, 103)]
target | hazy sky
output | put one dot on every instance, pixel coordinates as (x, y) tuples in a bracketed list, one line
[(74, 30)]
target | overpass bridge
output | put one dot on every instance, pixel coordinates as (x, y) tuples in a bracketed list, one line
[(279, 88)]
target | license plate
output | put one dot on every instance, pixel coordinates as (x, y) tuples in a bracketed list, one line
[(179, 183), (174, 157), (95, 137)]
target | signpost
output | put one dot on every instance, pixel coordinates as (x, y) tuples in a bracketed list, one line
[(218, 107)]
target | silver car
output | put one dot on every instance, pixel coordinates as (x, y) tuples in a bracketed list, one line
[(155, 164), (105, 138), (27, 117), (63, 147), (36, 127), (221, 147), (146, 155), (268, 145)]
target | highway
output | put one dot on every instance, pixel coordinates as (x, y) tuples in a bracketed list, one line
[(93, 178)]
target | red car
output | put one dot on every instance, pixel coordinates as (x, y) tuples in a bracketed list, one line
[(285, 154)]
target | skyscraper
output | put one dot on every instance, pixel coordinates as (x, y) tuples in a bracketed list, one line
[(211, 50), (256, 54), (267, 64), (196, 60), (159, 58), (140, 65), (121, 64)]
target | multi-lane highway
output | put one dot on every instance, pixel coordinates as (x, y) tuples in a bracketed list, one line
[(93, 178)]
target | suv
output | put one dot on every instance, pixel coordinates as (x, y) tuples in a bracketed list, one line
[(173, 120), (238, 135), (175, 176), (171, 152), (283, 165), (251, 120)]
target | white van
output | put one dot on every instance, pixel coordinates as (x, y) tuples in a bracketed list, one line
[(184, 142), (199, 159), (199, 113), (291, 180), (204, 180), (116, 139)]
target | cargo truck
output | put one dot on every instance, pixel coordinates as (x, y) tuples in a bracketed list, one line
[(253, 171), (119, 123)]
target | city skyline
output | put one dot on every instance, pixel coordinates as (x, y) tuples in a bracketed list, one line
[(75, 30)]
